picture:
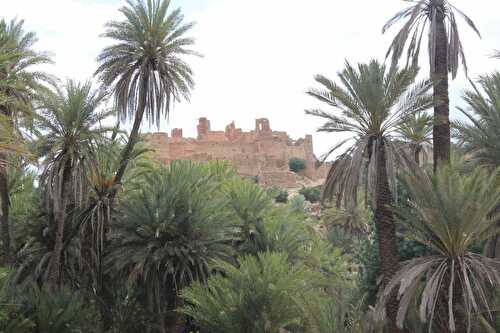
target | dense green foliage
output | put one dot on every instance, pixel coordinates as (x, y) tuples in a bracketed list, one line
[(311, 194), (296, 164), (278, 194), (264, 294)]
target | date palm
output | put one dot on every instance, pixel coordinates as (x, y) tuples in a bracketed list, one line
[(20, 84), (480, 137), (417, 133), (370, 103), (168, 233), (445, 48), (68, 128), (264, 294), (145, 68), (450, 213)]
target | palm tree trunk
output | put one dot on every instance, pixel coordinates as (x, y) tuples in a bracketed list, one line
[(133, 138), (417, 155), (4, 210), (5, 198), (60, 204), (174, 321), (441, 322), (441, 129), (386, 233)]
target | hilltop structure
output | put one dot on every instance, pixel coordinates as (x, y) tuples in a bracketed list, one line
[(261, 153)]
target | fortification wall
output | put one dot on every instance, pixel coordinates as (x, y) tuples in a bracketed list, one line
[(260, 153)]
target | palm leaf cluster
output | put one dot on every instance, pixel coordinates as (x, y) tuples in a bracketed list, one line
[(20, 86), (169, 233), (451, 213), (422, 16), (262, 295), (145, 67), (416, 131), (372, 103), (69, 128), (480, 135)]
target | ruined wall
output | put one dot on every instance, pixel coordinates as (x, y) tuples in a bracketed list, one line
[(262, 152)]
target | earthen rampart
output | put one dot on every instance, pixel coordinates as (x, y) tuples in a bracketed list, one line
[(261, 153)]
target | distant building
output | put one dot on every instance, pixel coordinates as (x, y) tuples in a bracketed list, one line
[(261, 153)]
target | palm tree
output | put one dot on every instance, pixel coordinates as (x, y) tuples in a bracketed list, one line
[(248, 204), (445, 51), (417, 133), (264, 294), (95, 217), (480, 138), (373, 102), (20, 84), (68, 129), (145, 69), (451, 212), (167, 234)]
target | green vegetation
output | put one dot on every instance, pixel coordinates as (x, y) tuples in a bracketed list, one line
[(296, 164), (98, 237), (278, 194), (311, 194), (263, 295)]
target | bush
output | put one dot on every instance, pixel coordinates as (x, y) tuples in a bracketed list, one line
[(312, 194), (259, 296), (278, 194), (296, 164), (297, 203), (37, 310)]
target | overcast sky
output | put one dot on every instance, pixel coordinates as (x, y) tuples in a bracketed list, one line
[(260, 56)]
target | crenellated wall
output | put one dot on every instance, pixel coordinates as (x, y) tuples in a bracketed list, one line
[(262, 152)]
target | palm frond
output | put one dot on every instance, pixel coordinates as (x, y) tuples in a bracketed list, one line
[(371, 105), (422, 16)]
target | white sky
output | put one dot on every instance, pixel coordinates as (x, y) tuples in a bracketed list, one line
[(260, 56)]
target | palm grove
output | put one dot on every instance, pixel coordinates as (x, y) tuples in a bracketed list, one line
[(98, 237)]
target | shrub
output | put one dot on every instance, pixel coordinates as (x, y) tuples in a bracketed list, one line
[(297, 203), (37, 310), (296, 164), (278, 194), (312, 194), (259, 296), (170, 230)]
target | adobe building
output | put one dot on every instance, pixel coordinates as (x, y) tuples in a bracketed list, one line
[(261, 153)]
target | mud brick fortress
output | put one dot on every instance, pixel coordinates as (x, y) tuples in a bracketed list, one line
[(261, 153)]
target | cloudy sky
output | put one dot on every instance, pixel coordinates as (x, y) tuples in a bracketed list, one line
[(260, 56)]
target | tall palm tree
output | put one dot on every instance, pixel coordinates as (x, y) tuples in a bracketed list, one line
[(145, 68), (372, 102), (20, 84), (445, 51), (451, 212), (480, 137), (68, 129), (168, 233), (417, 133), (95, 218)]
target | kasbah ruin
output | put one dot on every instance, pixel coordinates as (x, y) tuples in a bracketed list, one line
[(262, 153)]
